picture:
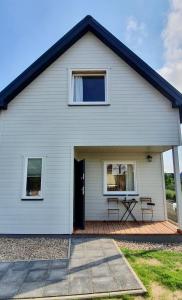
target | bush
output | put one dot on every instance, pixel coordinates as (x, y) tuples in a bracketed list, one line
[(170, 195), (169, 181)]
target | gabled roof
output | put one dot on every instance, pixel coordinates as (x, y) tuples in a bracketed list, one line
[(85, 25)]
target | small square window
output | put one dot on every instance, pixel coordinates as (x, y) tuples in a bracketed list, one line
[(119, 178), (88, 87)]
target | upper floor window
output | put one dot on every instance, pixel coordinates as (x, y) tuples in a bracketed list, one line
[(89, 87)]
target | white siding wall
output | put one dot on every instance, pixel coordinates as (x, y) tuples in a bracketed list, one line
[(48, 216), (149, 183), (39, 122), (138, 114)]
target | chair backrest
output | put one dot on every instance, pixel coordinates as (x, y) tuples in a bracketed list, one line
[(145, 202), (112, 202)]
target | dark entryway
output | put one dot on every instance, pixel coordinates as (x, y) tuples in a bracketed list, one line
[(79, 194)]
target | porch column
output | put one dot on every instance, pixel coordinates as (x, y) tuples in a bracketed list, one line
[(177, 186)]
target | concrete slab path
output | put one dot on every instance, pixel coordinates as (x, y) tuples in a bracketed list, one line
[(95, 267)]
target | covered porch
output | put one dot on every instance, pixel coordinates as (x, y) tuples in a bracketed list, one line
[(148, 181)]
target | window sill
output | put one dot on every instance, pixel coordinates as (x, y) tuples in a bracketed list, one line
[(88, 104), (32, 199)]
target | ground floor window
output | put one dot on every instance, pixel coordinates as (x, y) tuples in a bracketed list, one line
[(119, 177), (33, 178)]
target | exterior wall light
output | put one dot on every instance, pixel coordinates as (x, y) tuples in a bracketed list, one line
[(149, 158)]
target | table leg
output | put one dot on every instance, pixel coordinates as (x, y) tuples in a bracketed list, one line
[(126, 207), (130, 212), (129, 209)]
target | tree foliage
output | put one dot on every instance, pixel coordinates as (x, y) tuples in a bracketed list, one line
[(169, 181)]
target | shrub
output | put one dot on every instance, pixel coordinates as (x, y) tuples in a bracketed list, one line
[(170, 195)]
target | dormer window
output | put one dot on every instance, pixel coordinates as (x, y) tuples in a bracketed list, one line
[(88, 87)]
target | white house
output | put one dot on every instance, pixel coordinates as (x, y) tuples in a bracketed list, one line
[(88, 120)]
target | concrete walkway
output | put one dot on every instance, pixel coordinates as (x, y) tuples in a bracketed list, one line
[(95, 267)]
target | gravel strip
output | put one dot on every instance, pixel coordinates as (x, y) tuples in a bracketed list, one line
[(33, 248), (150, 246)]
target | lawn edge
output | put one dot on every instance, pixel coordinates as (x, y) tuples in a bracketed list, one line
[(131, 269)]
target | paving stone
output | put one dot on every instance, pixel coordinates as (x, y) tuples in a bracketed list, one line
[(59, 288), (127, 282), (78, 247), (73, 263), (106, 242), (125, 277), (40, 264), (57, 274), (94, 246), (21, 265), (101, 271), (11, 277), (58, 263), (96, 261), (109, 247), (83, 269), (119, 269), (30, 290), (36, 275), (104, 284), (115, 260), (1, 274), (80, 273), (77, 254), (94, 253), (4, 266), (110, 252), (76, 241), (8, 290), (81, 285)]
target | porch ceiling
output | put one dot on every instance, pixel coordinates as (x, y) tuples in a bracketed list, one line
[(124, 149)]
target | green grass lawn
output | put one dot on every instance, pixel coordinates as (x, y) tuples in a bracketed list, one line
[(163, 268)]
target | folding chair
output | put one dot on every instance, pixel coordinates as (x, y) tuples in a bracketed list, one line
[(113, 207), (147, 207)]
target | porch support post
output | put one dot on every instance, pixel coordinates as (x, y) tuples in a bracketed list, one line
[(177, 186)]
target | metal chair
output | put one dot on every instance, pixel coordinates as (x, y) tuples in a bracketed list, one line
[(113, 207), (147, 207)]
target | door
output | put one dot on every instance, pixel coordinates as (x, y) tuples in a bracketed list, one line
[(79, 194)]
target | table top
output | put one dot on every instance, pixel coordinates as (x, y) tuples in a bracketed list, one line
[(128, 200)]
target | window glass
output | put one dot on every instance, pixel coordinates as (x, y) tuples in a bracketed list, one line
[(120, 177), (89, 88), (33, 183)]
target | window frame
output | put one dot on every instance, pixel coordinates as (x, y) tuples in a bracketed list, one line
[(24, 196), (87, 72), (105, 192)]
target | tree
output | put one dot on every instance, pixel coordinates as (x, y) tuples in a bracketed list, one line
[(169, 181)]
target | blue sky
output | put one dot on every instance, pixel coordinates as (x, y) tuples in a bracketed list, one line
[(29, 27)]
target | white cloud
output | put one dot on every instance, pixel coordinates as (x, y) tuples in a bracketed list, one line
[(135, 31), (172, 39)]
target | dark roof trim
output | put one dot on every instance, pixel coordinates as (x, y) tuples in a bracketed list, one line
[(85, 25)]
